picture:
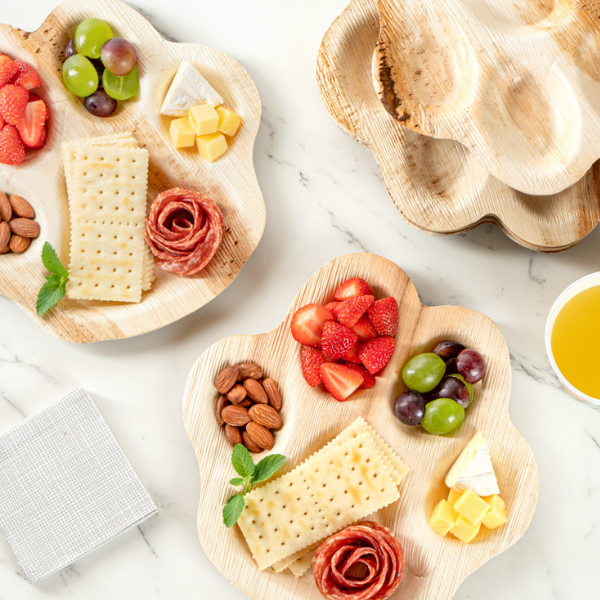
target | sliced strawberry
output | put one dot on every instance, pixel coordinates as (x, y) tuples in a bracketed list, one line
[(339, 380), (308, 322), (337, 340), (376, 353), (13, 102), (369, 380), (311, 360), (8, 69), (365, 329), (12, 151), (31, 127), (33, 97), (41, 141), (353, 287), (384, 316), (1, 122), (350, 311), (26, 76), (331, 306), (352, 354)]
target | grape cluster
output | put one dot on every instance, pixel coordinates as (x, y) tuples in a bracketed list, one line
[(440, 387), (100, 68)]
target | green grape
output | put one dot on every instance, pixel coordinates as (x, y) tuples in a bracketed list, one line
[(80, 76), (91, 35), (121, 88), (443, 416), (423, 372)]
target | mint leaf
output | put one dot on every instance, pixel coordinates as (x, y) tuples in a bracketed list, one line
[(50, 294), (233, 509), (237, 481), (242, 461), (267, 467), (52, 262)]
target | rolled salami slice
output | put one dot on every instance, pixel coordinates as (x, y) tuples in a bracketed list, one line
[(184, 230), (362, 562)]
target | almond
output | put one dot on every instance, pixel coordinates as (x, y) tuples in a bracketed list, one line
[(21, 207), (4, 236), (246, 403), (272, 393), (256, 391), (236, 394), (19, 244), (5, 209), (250, 371), (24, 227), (265, 415), (233, 435), (260, 435), (235, 415), (226, 379), (221, 404), (247, 441)]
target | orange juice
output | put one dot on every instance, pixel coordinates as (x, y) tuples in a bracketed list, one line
[(576, 341)]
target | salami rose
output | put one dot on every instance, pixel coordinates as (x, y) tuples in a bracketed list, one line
[(362, 562), (184, 230)]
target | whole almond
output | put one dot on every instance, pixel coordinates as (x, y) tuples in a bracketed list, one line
[(221, 404), (272, 393), (235, 415), (4, 236), (233, 435), (256, 391), (246, 403), (247, 441), (260, 435), (265, 415), (19, 244), (24, 227), (226, 379), (250, 371), (236, 394), (5, 209), (21, 207)]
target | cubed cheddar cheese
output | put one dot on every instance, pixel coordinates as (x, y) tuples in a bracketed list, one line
[(229, 122), (443, 517), (471, 507), (453, 496), (182, 135), (204, 119), (211, 146), (464, 530), (497, 514)]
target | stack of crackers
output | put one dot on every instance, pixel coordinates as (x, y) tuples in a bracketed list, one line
[(354, 475), (107, 181)]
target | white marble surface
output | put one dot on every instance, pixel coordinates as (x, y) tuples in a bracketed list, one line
[(324, 198)]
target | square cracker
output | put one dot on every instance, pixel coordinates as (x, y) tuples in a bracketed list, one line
[(300, 566)]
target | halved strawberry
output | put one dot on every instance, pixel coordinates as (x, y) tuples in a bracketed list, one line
[(41, 141), (13, 102), (331, 306), (365, 329), (352, 354), (384, 316), (8, 69), (339, 380), (26, 76), (33, 98), (31, 127), (1, 122), (311, 360), (369, 380), (12, 151), (337, 340), (350, 311), (353, 287), (308, 322), (376, 353)]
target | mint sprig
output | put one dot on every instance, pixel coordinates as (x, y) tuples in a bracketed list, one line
[(249, 475), (56, 283)]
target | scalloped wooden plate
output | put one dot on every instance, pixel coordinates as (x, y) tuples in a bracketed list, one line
[(436, 185), (435, 566), (230, 181)]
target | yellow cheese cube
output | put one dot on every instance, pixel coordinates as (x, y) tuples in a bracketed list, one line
[(204, 119), (211, 146), (497, 514), (471, 507), (229, 122), (182, 135), (453, 496), (464, 530), (443, 517)]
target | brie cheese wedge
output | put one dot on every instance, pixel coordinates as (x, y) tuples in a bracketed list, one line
[(473, 469), (188, 89)]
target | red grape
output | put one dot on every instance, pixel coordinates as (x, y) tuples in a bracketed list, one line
[(100, 104), (70, 48), (448, 349), (451, 368), (455, 389), (471, 365), (118, 56), (410, 407)]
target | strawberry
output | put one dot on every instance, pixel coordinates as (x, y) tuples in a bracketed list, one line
[(350, 311), (8, 69), (34, 98), (353, 287), (311, 360), (369, 380), (337, 340), (13, 102), (331, 306), (365, 329), (352, 354), (26, 76), (384, 316), (40, 143), (339, 380), (376, 353), (12, 151), (308, 322), (1, 122), (31, 125)]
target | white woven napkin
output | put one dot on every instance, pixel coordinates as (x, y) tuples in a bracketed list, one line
[(66, 487)]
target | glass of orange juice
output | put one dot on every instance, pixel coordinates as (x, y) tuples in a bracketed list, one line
[(573, 339)]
